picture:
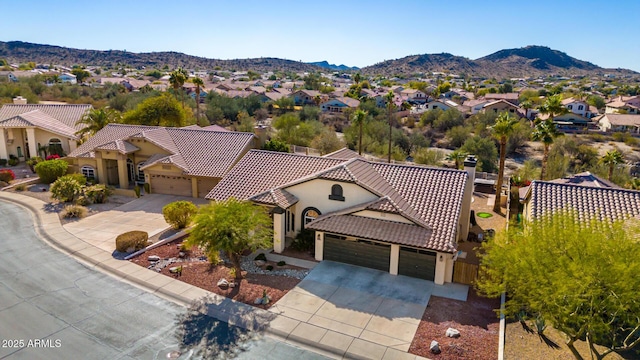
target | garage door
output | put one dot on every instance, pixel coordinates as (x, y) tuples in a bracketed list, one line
[(172, 185), (361, 253), (417, 263)]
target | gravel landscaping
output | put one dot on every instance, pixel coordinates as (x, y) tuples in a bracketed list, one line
[(475, 319), (197, 271)]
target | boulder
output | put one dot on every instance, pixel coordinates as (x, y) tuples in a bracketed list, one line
[(258, 301), (435, 347), (153, 258), (223, 283), (173, 269), (181, 254), (452, 333), (259, 262), (232, 284)]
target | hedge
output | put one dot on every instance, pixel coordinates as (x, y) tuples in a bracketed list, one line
[(135, 240), (50, 170)]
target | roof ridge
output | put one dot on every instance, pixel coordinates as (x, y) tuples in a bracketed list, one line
[(617, 189)]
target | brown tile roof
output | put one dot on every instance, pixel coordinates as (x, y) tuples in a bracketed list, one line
[(622, 119), (353, 103), (604, 203), (280, 197), (343, 154), (586, 179), (123, 147), (375, 229), (41, 120), (430, 197), (198, 152), (68, 114), (259, 171)]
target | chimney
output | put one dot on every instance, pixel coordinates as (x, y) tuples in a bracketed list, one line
[(261, 133), (470, 166), (19, 100)]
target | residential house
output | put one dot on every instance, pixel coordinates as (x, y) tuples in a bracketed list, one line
[(178, 161), (67, 78), (624, 104), (441, 104), (583, 179), (612, 203), (14, 75), (475, 106), (305, 97), (26, 129), (414, 96), (401, 219), (571, 121), (499, 106), (580, 107), (619, 122), (339, 104)]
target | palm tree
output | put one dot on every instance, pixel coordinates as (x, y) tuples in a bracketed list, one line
[(389, 100), (198, 83), (457, 155), (356, 78), (96, 119), (553, 107), (526, 105), (502, 129), (546, 132), (359, 118), (177, 79), (611, 159)]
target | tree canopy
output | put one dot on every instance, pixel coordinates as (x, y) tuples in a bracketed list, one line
[(231, 226), (580, 276), (163, 110), (96, 119)]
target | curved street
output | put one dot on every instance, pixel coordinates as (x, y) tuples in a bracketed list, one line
[(53, 307)]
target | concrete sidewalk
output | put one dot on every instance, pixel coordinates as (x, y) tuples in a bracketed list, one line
[(47, 224)]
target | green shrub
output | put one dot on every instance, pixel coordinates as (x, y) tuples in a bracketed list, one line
[(597, 137), (281, 263), (50, 170), (136, 189), (631, 141), (20, 187), (135, 240), (3, 162), (32, 162), (66, 188), (179, 213), (269, 267), (82, 200), (13, 161), (261, 256), (147, 188), (79, 178), (74, 211), (98, 194), (304, 241)]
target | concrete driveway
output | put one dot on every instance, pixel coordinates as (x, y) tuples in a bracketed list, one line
[(358, 310), (143, 214)]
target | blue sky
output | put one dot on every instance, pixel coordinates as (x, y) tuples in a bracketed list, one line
[(355, 33)]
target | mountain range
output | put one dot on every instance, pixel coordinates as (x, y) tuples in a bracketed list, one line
[(523, 62)]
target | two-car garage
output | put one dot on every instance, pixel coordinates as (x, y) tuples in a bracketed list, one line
[(376, 255)]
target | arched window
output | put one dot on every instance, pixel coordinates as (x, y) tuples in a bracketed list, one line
[(570, 107), (336, 193), (580, 107), (55, 147), (131, 173), (88, 172), (309, 214), (140, 176)]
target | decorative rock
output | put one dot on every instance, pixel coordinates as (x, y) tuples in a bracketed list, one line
[(181, 254), (452, 333), (258, 301), (153, 258), (232, 284), (223, 283), (174, 269), (435, 347), (259, 262)]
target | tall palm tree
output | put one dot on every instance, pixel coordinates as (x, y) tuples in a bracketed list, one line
[(553, 107), (546, 132), (359, 118), (611, 159), (198, 83), (526, 105), (177, 79), (502, 129), (96, 119), (390, 105)]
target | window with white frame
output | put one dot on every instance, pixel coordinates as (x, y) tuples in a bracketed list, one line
[(88, 172)]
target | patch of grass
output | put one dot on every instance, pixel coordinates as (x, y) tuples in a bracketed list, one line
[(20, 187), (484, 215)]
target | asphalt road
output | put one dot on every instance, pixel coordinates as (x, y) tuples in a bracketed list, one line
[(53, 307)]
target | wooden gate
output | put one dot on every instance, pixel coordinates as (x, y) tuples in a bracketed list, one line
[(464, 273)]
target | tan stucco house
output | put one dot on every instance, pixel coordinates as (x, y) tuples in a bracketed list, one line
[(27, 128), (186, 161), (402, 219)]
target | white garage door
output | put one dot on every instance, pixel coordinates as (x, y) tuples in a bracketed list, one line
[(172, 185)]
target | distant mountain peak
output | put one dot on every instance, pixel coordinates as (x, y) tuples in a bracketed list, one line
[(325, 64)]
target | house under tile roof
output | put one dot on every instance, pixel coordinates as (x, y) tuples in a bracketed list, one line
[(67, 114), (197, 152), (37, 118), (602, 202), (431, 198)]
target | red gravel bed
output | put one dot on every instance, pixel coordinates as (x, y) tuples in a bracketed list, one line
[(206, 276), (475, 319)]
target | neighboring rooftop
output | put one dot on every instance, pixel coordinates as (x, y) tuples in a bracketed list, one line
[(67, 114)]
